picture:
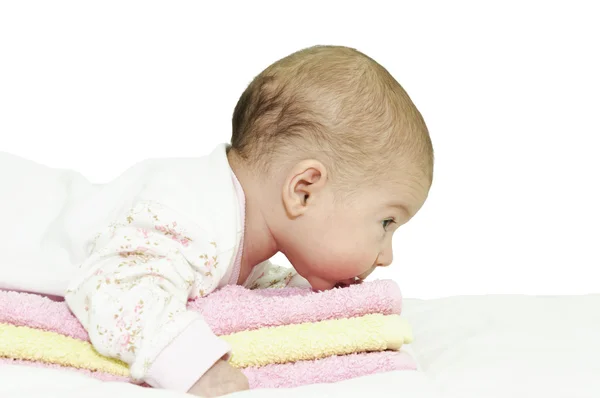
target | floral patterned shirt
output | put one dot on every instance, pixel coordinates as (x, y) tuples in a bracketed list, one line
[(132, 292)]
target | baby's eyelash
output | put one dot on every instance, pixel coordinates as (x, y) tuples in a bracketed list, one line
[(386, 223)]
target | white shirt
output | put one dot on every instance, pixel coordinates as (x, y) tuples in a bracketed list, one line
[(128, 255)]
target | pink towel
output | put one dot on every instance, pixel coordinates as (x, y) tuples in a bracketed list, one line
[(326, 370), (221, 309), (98, 375)]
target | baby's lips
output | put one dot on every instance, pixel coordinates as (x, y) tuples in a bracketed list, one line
[(349, 282)]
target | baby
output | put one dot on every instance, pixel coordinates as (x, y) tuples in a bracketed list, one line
[(328, 157)]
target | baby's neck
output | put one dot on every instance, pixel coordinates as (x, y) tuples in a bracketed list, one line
[(259, 243)]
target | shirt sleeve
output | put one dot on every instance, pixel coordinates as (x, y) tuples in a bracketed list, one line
[(267, 275), (131, 296)]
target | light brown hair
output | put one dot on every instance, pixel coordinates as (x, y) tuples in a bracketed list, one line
[(334, 104)]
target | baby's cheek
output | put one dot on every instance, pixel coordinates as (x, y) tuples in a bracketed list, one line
[(337, 259), (346, 265)]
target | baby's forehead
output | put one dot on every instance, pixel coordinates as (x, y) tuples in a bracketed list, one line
[(398, 187)]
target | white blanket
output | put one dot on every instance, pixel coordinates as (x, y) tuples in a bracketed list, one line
[(478, 346), (42, 383)]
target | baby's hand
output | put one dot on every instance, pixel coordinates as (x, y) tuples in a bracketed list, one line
[(219, 380)]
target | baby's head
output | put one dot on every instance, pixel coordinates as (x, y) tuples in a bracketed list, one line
[(342, 158)]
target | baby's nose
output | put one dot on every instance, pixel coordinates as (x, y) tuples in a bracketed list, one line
[(385, 258)]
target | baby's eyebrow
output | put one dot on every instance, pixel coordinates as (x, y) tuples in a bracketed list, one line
[(401, 207)]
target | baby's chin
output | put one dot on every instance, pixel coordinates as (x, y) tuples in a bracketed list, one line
[(319, 284)]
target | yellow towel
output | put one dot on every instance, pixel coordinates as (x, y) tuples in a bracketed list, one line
[(306, 341), (259, 347), (19, 342)]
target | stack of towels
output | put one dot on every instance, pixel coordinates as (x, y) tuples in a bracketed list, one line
[(279, 337)]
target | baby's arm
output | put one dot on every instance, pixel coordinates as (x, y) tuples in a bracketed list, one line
[(132, 293)]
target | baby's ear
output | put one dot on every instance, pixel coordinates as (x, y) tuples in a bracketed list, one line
[(302, 186)]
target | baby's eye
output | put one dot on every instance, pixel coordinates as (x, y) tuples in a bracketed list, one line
[(386, 223)]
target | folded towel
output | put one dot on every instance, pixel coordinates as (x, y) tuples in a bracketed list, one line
[(103, 376), (221, 309), (21, 342), (264, 311), (326, 370), (307, 341), (277, 307), (259, 347)]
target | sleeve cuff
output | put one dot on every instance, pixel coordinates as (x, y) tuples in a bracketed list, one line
[(181, 364), (298, 281)]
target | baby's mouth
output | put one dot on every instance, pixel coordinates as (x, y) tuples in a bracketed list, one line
[(349, 282)]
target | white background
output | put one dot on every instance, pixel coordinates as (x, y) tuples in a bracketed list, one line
[(510, 92)]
